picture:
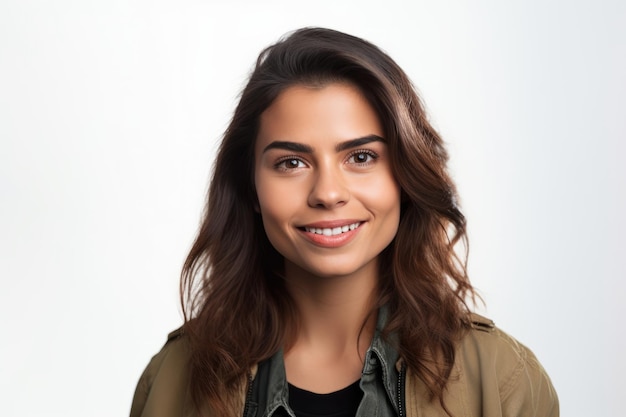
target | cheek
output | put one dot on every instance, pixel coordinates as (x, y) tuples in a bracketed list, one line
[(271, 218), (382, 193), (383, 198), (268, 202), (276, 206), (275, 215), (392, 211)]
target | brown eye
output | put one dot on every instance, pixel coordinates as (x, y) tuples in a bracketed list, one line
[(292, 163), (362, 157), (289, 163)]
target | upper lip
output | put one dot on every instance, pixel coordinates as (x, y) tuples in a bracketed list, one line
[(330, 224)]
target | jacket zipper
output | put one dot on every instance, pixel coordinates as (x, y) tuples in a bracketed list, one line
[(400, 393), (248, 395)]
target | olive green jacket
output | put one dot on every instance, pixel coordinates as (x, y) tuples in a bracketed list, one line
[(494, 376)]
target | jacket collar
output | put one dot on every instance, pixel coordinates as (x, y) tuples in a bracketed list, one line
[(382, 357), (270, 377)]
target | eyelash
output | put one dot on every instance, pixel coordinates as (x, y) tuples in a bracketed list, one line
[(368, 152), (280, 164)]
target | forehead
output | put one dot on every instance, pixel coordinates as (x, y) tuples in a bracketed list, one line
[(331, 113)]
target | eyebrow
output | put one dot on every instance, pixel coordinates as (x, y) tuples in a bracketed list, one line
[(303, 148), (355, 143)]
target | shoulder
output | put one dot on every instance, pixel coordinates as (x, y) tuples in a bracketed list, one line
[(494, 375), (486, 346), (484, 341), (163, 382), (509, 374)]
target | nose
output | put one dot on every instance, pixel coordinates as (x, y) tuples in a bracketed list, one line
[(328, 190)]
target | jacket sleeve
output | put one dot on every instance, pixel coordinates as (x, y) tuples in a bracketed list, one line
[(494, 376), (161, 390), (529, 391), (142, 389), (514, 382)]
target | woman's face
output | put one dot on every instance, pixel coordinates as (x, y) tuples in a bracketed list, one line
[(326, 193)]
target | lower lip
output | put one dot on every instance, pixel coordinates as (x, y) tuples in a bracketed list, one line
[(331, 241)]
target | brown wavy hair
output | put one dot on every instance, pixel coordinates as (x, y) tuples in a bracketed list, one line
[(236, 307)]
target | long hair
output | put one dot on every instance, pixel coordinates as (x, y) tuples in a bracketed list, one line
[(236, 308)]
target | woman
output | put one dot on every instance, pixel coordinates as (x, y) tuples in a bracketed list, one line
[(324, 278)]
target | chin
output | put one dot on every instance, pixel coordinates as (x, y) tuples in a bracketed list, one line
[(337, 269)]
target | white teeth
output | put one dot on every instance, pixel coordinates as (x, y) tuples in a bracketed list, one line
[(327, 231)]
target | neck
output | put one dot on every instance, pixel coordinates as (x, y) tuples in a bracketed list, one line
[(333, 308), (335, 325)]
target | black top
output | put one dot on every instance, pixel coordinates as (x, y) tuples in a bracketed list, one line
[(342, 403)]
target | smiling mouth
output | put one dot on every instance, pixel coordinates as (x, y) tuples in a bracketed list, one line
[(332, 231)]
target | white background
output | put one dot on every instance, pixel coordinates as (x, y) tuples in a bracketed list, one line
[(109, 116)]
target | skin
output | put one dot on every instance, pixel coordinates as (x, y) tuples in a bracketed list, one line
[(322, 165)]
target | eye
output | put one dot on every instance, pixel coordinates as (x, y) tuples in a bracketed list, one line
[(362, 157), (289, 163)]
